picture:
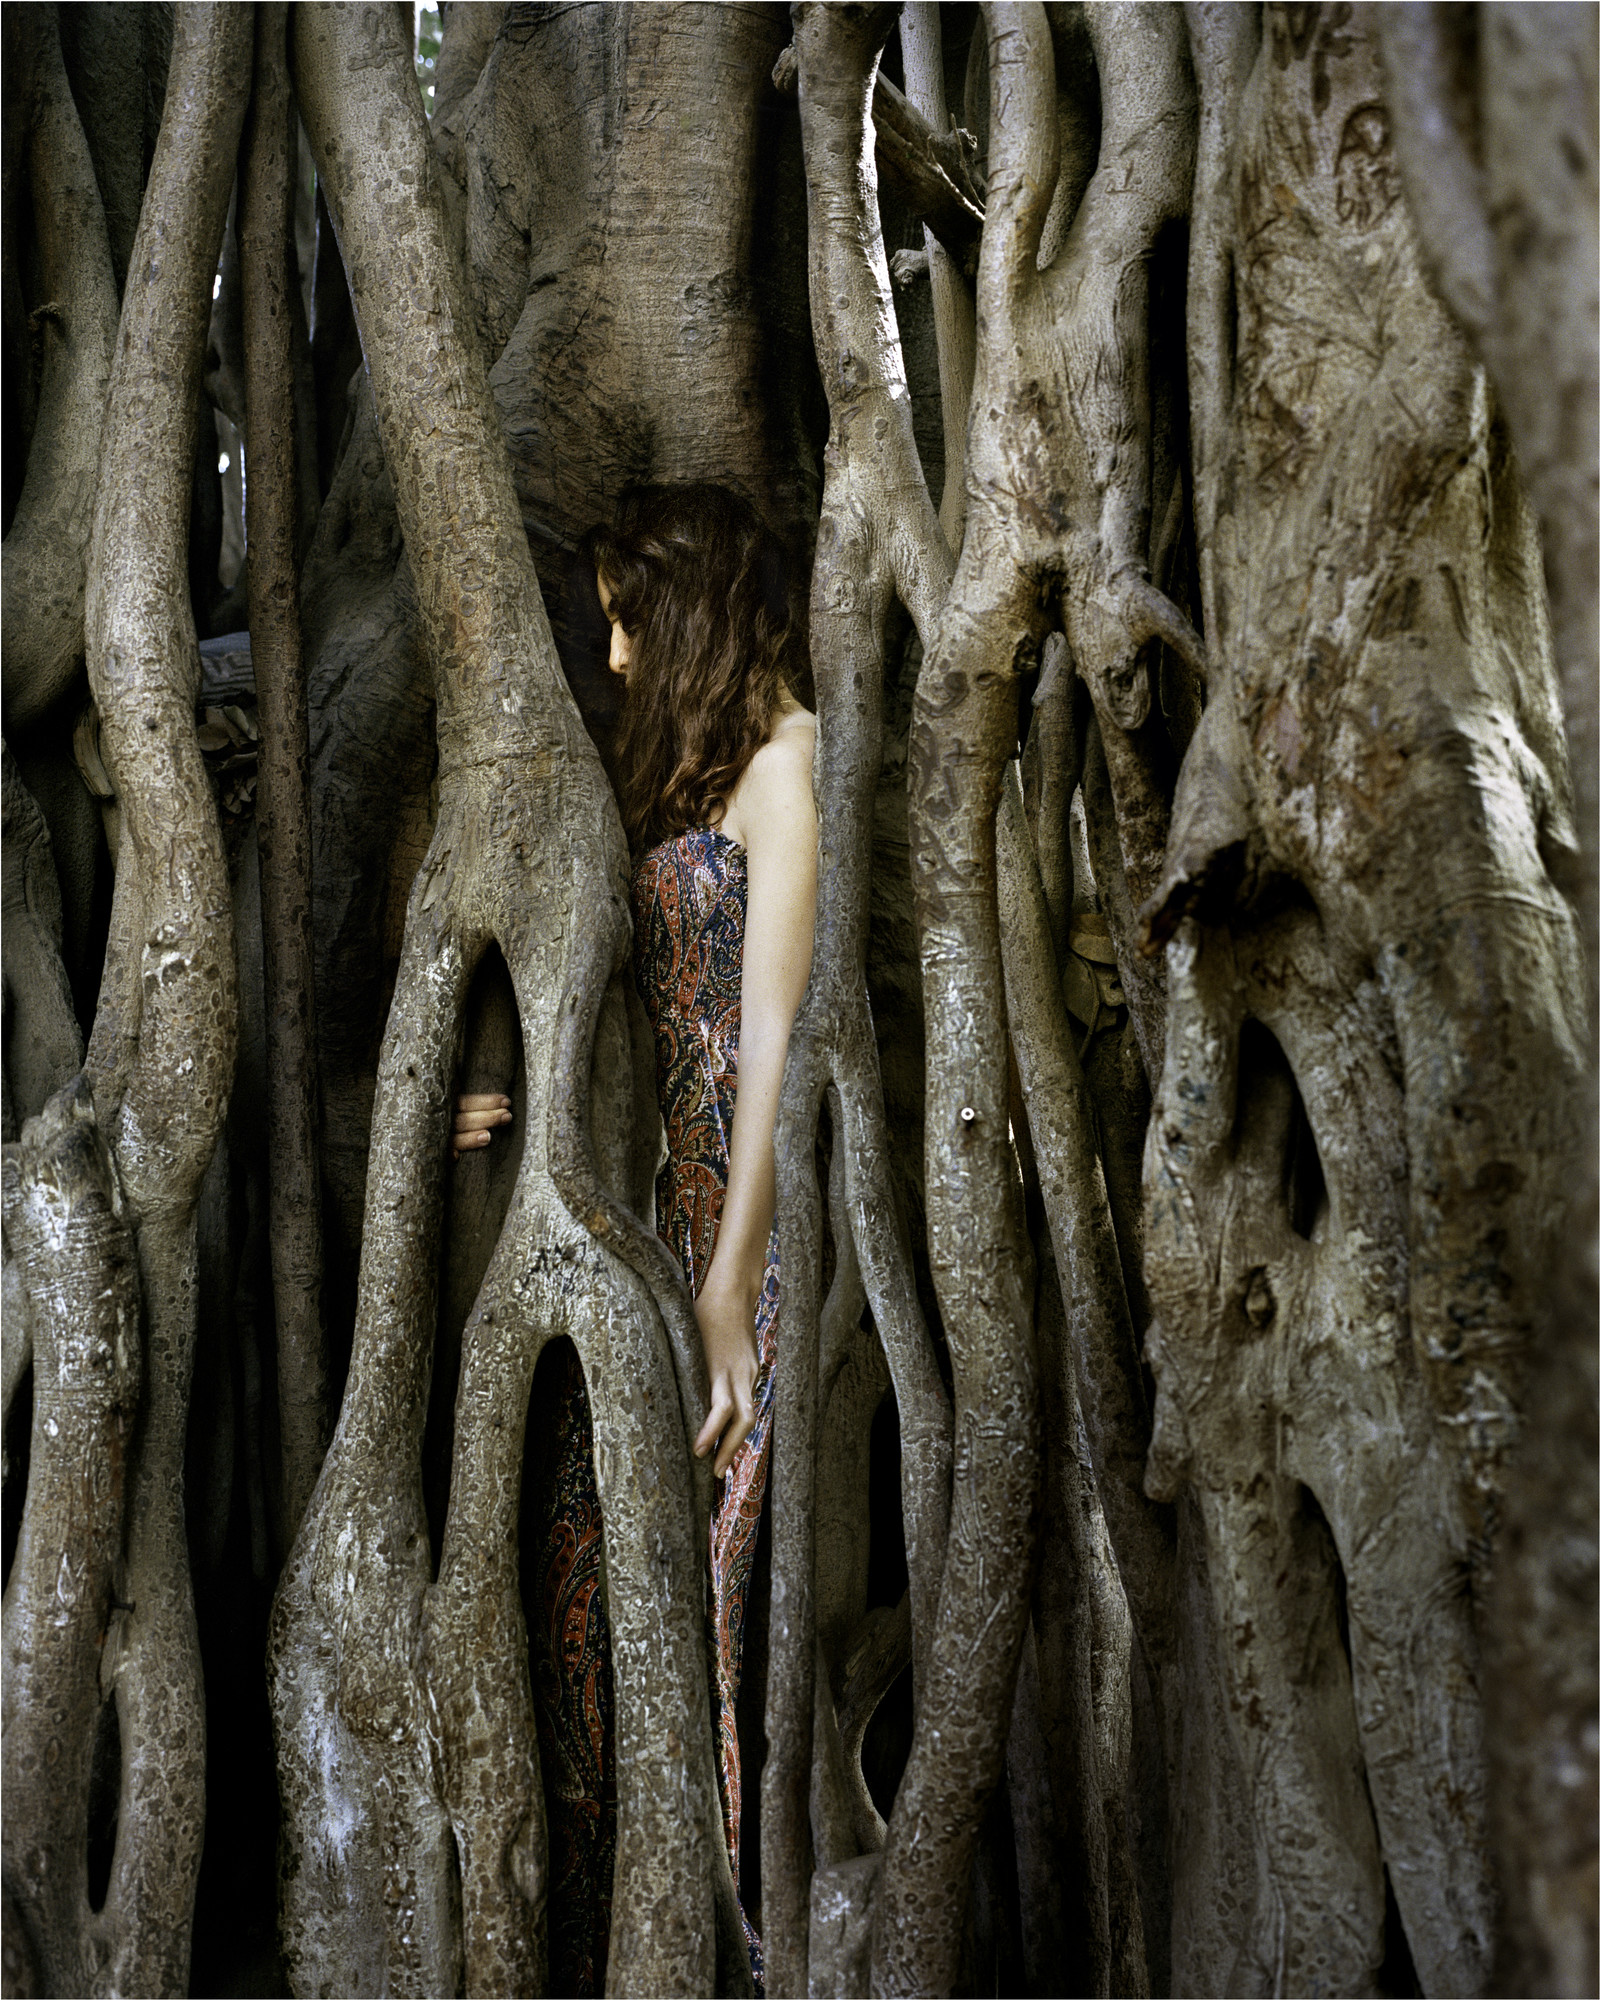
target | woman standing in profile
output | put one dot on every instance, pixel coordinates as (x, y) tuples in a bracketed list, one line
[(714, 779)]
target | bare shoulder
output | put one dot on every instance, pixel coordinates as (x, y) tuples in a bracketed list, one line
[(786, 755), (773, 797)]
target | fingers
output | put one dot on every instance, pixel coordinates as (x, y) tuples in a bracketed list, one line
[(475, 1120), (732, 1415), (480, 1121), (716, 1417), (732, 1438)]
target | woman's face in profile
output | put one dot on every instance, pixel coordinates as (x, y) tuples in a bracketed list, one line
[(621, 642)]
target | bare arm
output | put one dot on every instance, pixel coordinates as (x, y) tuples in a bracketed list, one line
[(772, 814)]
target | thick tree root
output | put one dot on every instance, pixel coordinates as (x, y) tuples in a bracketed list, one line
[(282, 790), (111, 1174), (1343, 1469), (46, 552), (68, 1230), (44, 1044), (415, 1855), (832, 1044), (1350, 1174)]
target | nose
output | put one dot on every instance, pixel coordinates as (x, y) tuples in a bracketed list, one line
[(621, 649)]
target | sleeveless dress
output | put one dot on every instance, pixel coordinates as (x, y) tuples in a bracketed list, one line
[(689, 896)]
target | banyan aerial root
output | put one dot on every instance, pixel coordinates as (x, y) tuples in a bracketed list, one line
[(1261, 346)]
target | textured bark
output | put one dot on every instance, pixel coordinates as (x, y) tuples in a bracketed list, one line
[(1102, 1371), (1494, 129), (1400, 596), (616, 355), (1068, 1761), (930, 172), (860, 1653), (1348, 1222), (1096, 346), (224, 376), (372, 760), (995, 619), (857, 569), (44, 1044), (1244, 1751), (113, 1170), (117, 57), (963, 730), (43, 1053), (68, 1229), (402, 1704), (924, 167), (954, 323), (1494, 120), (46, 549), (1341, 1471), (282, 817), (1046, 434), (161, 1058)]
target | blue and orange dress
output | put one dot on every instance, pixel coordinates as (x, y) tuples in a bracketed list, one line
[(689, 897)]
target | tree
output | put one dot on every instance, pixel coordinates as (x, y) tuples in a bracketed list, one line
[(1194, 782), (106, 1186)]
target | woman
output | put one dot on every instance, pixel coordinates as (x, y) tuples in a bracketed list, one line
[(714, 780)]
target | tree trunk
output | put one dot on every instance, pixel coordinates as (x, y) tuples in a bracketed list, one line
[(1213, 1601), (47, 546), (580, 120), (418, 1681), (282, 787), (1493, 121), (1342, 958), (127, 1148)]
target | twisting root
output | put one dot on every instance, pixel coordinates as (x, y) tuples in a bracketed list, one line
[(403, 1702)]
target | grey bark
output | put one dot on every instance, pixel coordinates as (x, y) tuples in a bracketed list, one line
[(1102, 1370), (46, 549), (1088, 536), (1240, 1704), (268, 285), (952, 298), (1403, 943), (1111, 609), (923, 166), (1068, 1760), (44, 1044), (68, 1229), (117, 57), (115, 1165), (402, 1700), (1251, 790), (853, 339), (856, 571), (1494, 129), (1308, 1336)]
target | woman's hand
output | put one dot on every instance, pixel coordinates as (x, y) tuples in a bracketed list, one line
[(726, 1310), (475, 1120)]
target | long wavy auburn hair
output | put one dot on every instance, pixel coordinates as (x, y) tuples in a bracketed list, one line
[(697, 581)]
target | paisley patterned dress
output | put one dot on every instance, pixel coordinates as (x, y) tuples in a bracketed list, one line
[(689, 897)]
